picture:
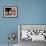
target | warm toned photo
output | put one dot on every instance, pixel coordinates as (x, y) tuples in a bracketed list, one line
[(10, 11)]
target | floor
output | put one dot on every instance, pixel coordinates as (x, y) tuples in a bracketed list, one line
[(7, 45), (30, 43)]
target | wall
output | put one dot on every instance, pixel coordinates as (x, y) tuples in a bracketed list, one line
[(29, 12), (33, 11), (7, 25)]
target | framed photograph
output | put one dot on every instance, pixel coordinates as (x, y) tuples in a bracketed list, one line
[(10, 11), (33, 32)]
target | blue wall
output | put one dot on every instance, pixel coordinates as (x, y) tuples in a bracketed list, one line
[(29, 12)]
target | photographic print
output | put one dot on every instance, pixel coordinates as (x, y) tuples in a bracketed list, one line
[(32, 32), (10, 11)]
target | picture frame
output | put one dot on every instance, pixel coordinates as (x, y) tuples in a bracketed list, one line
[(37, 29), (10, 11)]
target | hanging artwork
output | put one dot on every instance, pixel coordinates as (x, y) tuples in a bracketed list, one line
[(10, 11), (32, 32), (12, 36)]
